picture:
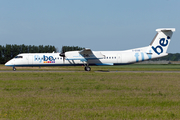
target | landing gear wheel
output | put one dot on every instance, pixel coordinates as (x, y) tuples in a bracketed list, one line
[(87, 69), (14, 69)]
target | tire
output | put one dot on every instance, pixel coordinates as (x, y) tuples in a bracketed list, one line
[(88, 69), (14, 69)]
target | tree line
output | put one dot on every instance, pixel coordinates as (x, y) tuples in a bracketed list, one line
[(169, 57), (71, 48)]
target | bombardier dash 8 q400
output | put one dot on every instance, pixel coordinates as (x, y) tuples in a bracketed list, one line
[(87, 57)]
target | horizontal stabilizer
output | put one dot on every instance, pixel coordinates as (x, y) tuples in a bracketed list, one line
[(165, 29)]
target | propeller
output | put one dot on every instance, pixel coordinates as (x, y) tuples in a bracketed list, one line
[(62, 54)]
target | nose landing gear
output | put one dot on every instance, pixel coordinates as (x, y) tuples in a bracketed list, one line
[(14, 69)]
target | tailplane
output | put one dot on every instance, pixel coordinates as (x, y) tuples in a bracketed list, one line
[(161, 41)]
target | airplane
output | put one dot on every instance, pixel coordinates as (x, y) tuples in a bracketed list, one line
[(157, 48)]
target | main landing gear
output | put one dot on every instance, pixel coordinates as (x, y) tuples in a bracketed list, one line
[(87, 68)]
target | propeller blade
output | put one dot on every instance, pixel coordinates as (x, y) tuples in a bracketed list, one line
[(62, 54)]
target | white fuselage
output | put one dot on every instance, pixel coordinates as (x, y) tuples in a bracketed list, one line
[(75, 59), (156, 49)]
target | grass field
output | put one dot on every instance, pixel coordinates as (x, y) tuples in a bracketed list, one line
[(90, 95)]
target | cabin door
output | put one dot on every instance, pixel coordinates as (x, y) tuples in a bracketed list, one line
[(119, 58)]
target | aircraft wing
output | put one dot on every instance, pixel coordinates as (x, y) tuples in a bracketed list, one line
[(86, 52), (83, 55), (89, 54)]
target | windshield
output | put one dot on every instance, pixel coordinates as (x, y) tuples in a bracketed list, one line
[(19, 57)]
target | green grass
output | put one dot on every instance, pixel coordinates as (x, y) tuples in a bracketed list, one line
[(89, 95)]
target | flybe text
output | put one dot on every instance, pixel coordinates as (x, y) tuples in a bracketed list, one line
[(46, 59)]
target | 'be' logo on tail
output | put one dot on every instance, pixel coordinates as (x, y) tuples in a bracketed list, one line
[(158, 49)]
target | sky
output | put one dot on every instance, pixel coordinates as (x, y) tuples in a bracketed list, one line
[(102, 25)]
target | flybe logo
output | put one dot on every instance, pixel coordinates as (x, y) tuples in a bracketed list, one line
[(45, 59), (142, 55), (162, 43)]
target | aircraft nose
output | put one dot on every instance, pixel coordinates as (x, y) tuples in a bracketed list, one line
[(7, 63)]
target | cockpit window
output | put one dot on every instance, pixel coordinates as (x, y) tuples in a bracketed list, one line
[(19, 57)]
